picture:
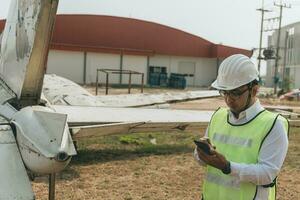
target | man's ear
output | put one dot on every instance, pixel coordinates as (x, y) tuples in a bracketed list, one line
[(254, 90)]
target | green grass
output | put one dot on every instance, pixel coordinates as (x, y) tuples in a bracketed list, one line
[(130, 146)]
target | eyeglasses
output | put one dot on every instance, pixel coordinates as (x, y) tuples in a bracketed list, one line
[(234, 94)]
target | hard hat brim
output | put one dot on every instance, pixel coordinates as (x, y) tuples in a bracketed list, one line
[(221, 87)]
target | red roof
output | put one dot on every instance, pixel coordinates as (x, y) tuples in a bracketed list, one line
[(110, 34)]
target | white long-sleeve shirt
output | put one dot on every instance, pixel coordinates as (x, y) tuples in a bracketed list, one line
[(271, 155)]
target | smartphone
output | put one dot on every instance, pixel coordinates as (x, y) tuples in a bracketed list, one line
[(203, 146)]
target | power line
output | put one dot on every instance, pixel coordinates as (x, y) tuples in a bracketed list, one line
[(272, 24)]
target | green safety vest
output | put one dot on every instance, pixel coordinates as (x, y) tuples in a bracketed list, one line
[(240, 144)]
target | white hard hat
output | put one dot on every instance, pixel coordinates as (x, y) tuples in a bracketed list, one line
[(235, 71)]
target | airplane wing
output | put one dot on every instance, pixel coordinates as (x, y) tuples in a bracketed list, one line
[(79, 132), (88, 121), (60, 91), (24, 48), (92, 116)]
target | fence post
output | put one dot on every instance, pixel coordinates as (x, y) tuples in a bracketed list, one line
[(129, 83), (97, 81), (106, 86), (142, 87)]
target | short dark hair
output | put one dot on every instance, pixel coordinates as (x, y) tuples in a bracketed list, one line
[(253, 83)]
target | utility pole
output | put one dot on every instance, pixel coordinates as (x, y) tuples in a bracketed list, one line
[(276, 77), (262, 10), (284, 81)]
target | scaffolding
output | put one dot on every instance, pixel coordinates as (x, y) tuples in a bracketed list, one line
[(116, 71)]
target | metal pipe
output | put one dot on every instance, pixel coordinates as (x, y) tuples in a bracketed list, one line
[(129, 83), (106, 85), (277, 53), (97, 82), (284, 82), (148, 68), (84, 67), (121, 67), (260, 38), (142, 87), (52, 186)]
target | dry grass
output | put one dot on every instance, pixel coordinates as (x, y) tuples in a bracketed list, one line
[(275, 101), (289, 182), (107, 169)]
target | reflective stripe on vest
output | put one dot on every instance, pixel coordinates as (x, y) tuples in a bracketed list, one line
[(228, 181), (227, 139), (240, 144)]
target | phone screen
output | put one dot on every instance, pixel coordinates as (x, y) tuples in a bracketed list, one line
[(203, 146)]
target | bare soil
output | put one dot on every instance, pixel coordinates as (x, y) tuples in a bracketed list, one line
[(175, 175)]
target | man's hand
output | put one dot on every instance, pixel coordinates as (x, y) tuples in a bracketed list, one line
[(216, 159)]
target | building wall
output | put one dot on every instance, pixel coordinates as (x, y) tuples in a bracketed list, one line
[(71, 65), (96, 61), (205, 68), (295, 76), (161, 60), (206, 72), (290, 38), (269, 76), (66, 64), (135, 63), (269, 81)]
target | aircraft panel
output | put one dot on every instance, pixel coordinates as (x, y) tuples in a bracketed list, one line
[(6, 93), (15, 184), (80, 132), (85, 115)]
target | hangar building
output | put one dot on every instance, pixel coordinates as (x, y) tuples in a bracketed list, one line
[(81, 44)]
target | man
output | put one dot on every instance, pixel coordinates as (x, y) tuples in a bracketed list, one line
[(247, 143)]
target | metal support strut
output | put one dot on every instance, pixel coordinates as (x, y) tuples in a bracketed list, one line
[(52, 186)]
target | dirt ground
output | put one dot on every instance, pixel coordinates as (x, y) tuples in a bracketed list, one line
[(104, 171)]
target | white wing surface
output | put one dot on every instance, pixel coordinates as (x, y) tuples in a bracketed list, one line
[(60, 91), (97, 121)]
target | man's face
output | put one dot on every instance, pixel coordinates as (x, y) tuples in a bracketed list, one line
[(237, 99)]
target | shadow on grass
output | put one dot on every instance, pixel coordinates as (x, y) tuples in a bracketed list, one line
[(67, 174), (86, 156)]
